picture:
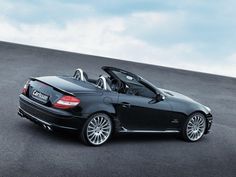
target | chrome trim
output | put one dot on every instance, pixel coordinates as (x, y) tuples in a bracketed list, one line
[(124, 130), (104, 82), (82, 78), (163, 97), (105, 85), (20, 114)]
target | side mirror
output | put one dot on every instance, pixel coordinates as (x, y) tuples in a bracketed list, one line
[(160, 97)]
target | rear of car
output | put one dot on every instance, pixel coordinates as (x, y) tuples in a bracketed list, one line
[(51, 103)]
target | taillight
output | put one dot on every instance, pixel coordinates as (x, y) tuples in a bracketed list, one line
[(25, 88), (66, 102)]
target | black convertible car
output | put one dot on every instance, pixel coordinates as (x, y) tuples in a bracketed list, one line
[(119, 101)]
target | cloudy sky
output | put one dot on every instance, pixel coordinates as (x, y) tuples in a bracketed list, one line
[(196, 35)]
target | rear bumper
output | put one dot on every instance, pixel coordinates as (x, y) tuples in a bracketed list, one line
[(46, 116)]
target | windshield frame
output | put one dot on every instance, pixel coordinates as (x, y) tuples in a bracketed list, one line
[(139, 79)]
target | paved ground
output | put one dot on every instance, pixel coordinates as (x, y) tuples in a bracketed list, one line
[(28, 150)]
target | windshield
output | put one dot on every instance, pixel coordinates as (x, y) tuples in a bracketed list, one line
[(125, 77), (133, 83), (136, 86)]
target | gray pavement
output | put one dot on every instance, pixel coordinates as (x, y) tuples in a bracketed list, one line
[(28, 150)]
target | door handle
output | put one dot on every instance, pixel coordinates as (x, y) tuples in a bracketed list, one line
[(126, 105)]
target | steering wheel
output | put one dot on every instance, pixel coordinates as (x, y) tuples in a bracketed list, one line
[(117, 85), (132, 91)]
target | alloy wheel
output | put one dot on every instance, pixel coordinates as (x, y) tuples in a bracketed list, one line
[(99, 129), (195, 127)]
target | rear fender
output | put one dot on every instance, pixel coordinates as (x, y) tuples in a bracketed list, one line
[(109, 108)]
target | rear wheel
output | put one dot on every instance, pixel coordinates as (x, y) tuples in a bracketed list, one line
[(97, 129), (194, 127)]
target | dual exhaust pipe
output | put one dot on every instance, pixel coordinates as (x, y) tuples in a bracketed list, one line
[(20, 114), (46, 127)]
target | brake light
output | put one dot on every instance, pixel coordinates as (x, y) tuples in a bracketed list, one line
[(25, 88), (66, 102)]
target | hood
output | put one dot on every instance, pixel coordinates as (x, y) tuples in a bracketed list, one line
[(184, 99), (178, 96)]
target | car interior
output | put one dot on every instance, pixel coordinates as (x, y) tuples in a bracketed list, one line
[(126, 84)]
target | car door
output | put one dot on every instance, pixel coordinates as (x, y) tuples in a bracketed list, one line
[(143, 113), (137, 107)]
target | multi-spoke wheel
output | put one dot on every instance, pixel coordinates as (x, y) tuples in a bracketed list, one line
[(194, 127), (97, 129)]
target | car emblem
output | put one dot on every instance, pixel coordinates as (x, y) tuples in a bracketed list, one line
[(38, 95)]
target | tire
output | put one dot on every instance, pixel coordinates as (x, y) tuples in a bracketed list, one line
[(194, 127), (97, 130)]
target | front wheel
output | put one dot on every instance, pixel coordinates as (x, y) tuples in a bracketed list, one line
[(194, 127), (97, 129)]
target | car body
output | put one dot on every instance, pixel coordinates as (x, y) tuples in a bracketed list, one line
[(118, 102)]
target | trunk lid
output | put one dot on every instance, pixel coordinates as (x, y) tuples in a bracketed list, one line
[(67, 84), (47, 90)]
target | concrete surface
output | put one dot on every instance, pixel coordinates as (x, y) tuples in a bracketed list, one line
[(28, 150)]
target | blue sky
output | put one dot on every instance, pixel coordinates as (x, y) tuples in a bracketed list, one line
[(192, 34)]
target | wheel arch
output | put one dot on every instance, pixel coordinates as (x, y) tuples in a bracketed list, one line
[(198, 111), (112, 116)]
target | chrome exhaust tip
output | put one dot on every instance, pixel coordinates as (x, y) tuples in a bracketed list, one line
[(45, 127), (20, 114), (49, 128)]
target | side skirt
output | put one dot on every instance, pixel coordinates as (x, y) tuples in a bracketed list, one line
[(124, 130)]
